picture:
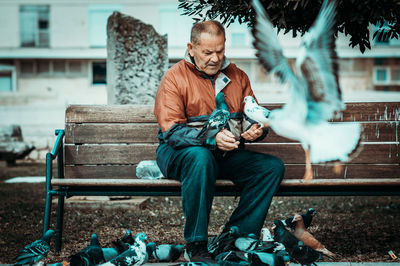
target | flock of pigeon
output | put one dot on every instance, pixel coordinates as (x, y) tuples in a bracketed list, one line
[(291, 241)]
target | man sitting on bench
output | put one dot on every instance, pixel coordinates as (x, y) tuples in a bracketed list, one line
[(185, 99)]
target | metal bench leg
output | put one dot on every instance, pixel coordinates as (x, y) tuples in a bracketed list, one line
[(47, 212), (60, 222)]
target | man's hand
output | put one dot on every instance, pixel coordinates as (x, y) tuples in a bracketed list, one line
[(254, 132), (226, 140)]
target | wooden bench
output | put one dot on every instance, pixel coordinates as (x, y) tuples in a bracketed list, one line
[(101, 145)]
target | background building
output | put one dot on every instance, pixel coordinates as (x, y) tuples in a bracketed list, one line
[(53, 53)]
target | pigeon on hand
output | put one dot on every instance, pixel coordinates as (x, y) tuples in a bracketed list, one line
[(315, 95), (167, 252), (307, 218), (308, 239), (297, 250), (35, 251), (217, 121), (255, 112), (90, 255), (135, 255)]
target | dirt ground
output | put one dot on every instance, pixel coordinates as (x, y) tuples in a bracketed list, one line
[(358, 229)]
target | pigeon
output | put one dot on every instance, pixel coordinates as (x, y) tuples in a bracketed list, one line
[(315, 95), (110, 253), (150, 247), (247, 243), (305, 255), (223, 241), (35, 251), (307, 218), (90, 255), (296, 248), (255, 112), (217, 121), (125, 242), (168, 253), (135, 255), (308, 239), (263, 258), (266, 235)]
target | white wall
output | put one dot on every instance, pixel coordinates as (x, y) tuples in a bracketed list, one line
[(9, 26), (68, 25)]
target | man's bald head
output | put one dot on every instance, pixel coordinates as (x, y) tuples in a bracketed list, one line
[(211, 27)]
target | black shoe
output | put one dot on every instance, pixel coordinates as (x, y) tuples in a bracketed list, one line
[(223, 242), (197, 252)]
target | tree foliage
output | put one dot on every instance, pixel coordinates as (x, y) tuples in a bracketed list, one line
[(353, 18)]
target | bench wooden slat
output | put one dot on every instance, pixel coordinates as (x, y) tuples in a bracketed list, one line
[(365, 111), (174, 183), (292, 171), (111, 133), (290, 153), (147, 133)]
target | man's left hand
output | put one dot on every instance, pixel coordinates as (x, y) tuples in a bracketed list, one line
[(254, 132)]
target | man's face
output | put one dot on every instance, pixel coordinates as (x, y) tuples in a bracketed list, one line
[(208, 54)]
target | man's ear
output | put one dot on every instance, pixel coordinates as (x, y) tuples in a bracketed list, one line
[(190, 48)]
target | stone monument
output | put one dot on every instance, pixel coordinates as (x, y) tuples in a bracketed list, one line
[(137, 58)]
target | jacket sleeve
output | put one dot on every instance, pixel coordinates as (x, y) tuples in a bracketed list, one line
[(170, 114)]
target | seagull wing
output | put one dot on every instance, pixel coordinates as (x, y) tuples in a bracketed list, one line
[(318, 64), (269, 50)]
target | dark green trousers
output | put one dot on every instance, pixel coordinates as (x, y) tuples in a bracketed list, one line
[(197, 168)]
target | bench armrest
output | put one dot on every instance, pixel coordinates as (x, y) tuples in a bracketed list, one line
[(57, 152)]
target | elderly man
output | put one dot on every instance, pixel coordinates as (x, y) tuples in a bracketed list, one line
[(185, 99)]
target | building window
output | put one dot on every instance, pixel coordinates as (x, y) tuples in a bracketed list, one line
[(395, 75), (381, 75), (52, 68), (98, 16), (5, 81), (59, 66), (239, 35), (34, 25), (99, 73)]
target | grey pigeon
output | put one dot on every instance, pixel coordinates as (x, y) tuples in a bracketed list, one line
[(315, 95), (217, 121), (223, 242), (248, 243), (272, 259), (90, 255), (35, 251), (150, 247), (125, 242), (135, 255), (167, 252), (307, 218)]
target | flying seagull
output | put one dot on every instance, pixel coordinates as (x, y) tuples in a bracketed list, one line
[(315, 95)]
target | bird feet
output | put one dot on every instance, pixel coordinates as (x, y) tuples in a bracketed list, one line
[(308, 175)]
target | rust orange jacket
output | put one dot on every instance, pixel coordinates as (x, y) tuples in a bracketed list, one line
[(186, 98)]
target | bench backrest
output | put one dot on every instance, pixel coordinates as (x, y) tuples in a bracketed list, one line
[(103, 141)]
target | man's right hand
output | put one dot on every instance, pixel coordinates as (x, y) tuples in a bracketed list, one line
[(226, 140)]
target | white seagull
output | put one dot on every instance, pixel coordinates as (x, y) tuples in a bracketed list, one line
[(315, 95)]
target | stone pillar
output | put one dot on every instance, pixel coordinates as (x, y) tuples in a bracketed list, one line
[(137, 58)]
